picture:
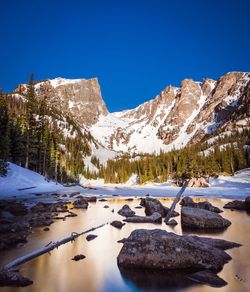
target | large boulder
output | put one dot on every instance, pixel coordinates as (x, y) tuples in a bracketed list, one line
[(202, 219), (153, 205), (188, 202), (154, 218), (162, 250), (125, 211), (199, 182)]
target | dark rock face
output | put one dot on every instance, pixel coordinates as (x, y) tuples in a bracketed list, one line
[(81, 204), (91, 237), (13, 279), (117, 224), (125, 211), (206, 277), (188, 202), (158, 249), (15, 208), (78, 257), (154, 218), (153, 205), (238, 205), (202, 219)]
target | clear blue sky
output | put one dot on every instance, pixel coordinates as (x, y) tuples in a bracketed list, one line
[(135, 48)]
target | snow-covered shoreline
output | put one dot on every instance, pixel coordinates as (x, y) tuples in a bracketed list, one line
[(31, 183)]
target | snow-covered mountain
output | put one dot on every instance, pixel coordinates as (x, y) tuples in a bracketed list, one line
[(176, 117)]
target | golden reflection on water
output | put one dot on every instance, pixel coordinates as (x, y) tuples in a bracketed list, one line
[(98, 271)]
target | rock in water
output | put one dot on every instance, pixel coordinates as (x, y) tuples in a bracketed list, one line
[(238, 205), (154, 218), (125, 211), (153, 205), (78, 257), (207, 277), (202, 219), (13, 279), (81, 204), (172, 222), (91, 237), (117, 224), (188, 202), (162, 250)]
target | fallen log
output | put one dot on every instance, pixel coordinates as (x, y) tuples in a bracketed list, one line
[(47, 248), (176, 200)]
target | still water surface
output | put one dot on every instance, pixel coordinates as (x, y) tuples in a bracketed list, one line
[(99, 272)]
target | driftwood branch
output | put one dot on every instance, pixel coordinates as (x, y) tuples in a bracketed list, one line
[(50, 246), (176, 200)]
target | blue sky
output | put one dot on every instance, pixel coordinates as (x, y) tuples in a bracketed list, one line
[(135, 48)]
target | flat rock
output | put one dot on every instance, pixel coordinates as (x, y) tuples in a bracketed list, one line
[(13, 279), (78, 257), (208, 278), (162, 250), (125, 211), (91, 237), (188, 202), (195, 218), (117, 224), (154, 218)]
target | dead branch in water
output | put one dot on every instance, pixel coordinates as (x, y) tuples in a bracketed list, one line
[(176, 200), (50, 246)]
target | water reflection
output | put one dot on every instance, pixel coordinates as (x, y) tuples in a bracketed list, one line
[(99, 271)]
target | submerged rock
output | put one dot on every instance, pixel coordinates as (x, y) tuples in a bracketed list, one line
[(202, 219), (188, 202), (207, 277), (154, 218), (13, 279), (162, 250), (78, 257), (117, 224), (125, 211)]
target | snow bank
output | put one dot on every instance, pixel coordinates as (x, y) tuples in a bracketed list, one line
[(19, 178)]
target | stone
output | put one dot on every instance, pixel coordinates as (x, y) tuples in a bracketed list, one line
[(13, 279), (46, 229), (188, 202), (81, 204), (91, 237), (15, 208), (78, 257), (153, 205), (196, 218), (125, 211), (208, 278), (106, 206), (198, 182), (172, 222), (162, 250), (235, 205), (154, 218), (117, 224)]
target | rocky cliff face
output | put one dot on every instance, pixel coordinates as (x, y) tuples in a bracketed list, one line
[(178, 116), (80, 97)]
